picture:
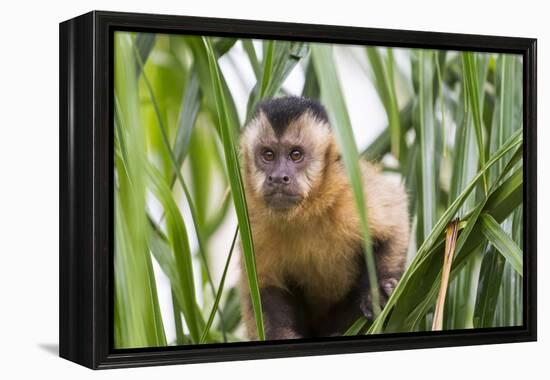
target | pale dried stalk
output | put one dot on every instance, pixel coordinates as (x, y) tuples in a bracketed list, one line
[(450, 243)]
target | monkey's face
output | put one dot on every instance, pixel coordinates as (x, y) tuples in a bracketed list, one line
[(281, 163), (284, 163)]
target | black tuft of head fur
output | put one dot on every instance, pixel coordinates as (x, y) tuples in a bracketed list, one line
[(283, 110)]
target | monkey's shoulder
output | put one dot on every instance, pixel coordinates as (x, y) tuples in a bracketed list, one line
[(386, 202)]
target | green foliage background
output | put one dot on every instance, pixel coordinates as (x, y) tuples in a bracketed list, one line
[(455, 141)]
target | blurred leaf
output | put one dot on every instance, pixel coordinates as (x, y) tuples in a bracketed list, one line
[(138, 322), (280, 58), (311, 84), (223, 44), (177, 171), (176, 310), (385, 85), (214, 222), (428, 196), (220, 289), (232, 310), (203, 145), (381, 144), (207, 90), (187, 119), (252, 57), (179, 242), (357, 328), (472, 86), (267, 68), (465, 157), (144, 43), (440, 61)]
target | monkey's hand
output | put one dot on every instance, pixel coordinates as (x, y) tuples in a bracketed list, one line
[(386, 286)]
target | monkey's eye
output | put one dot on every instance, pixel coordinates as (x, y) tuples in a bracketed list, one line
[(296, 155), (268, 155)]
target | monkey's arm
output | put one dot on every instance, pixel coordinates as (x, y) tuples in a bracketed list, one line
[(281, 314), (387, 209), (390, 263)]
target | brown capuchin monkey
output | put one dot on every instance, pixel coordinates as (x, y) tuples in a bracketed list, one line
[(305, 226)]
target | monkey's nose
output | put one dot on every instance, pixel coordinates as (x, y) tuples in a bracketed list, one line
[(278, 179)]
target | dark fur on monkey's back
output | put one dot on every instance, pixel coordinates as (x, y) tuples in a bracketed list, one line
[(281, 111), (310, 265)]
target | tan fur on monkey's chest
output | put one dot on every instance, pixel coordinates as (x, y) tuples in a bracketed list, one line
[(319, 258)]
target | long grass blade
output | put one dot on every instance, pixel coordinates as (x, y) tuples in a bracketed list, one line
[(502, 242), (220, 289), (237, 188), (144, 43), (248, 47), (385, 85), (341, 124), (267, 67), (179, 241), (428, 196), (472, 86), (490, 278), (187, 119), (311, 84)]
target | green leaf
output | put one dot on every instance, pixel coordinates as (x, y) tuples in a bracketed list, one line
[(267, 67), (177, 171), (179, 241), (144, 43), (502, 242), (280, 58), (220, 289), (232, 310), (426, 249), (311, 84), (428, 196), (187, 119), (472, 88), (385, 85), (381, 144), (223, 44), (227, 132), (137, 318), (201, 65), (252, 57), (176, 311), (488, 289), (341, 124)]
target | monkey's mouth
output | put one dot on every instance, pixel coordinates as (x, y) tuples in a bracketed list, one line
[(280, 200)]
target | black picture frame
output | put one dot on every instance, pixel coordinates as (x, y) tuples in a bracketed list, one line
[(86, 188)]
